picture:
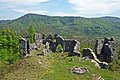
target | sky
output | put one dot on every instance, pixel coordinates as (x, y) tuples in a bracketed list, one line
[(12, 9)]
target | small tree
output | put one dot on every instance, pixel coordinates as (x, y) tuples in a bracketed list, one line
[(31, 31)]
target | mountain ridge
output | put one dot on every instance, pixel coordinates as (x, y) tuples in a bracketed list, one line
[(98, 27), (60, 16)]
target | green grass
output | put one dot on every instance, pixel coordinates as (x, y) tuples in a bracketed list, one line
[(54, 67), (60, 70)]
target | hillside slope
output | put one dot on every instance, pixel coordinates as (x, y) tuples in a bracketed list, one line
[(54, 67), (98, 27)]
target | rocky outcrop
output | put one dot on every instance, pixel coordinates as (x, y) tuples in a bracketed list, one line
[(105, 49)]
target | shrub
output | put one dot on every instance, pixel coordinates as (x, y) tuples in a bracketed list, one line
[(9, 46), (59, 48)]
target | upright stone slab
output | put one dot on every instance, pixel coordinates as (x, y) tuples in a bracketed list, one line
[(77, 46), (98, 46), (37, 39), (113, 46), (23, 47), (46, 50)]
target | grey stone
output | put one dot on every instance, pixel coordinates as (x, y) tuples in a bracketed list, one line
[(37, 38), (105, 49), (68, 45), (46, 50), (89, 54), (23, 47), (79, 70)]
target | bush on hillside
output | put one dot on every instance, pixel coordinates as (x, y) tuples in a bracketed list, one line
[(59, 48), (9, 46)]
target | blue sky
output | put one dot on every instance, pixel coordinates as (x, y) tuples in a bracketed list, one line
[(12, 9)]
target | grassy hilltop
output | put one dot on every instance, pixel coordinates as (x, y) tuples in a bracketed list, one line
[(53, 67)]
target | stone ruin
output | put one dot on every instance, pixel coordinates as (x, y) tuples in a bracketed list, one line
[(89, 54), (105, 49), (104, 52), (46, 50), (69, 45), (37, 39), (26, 47)]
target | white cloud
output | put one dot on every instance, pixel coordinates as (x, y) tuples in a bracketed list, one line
[(93, 7), (31, 11), (24, 1), (63, 14)]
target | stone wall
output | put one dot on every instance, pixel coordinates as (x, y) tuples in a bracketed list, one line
[(26, 47), (69, 45)]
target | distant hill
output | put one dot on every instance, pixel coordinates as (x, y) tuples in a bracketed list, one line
[(66, 26)]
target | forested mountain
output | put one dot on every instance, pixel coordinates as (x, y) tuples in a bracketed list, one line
[(66, 26)]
